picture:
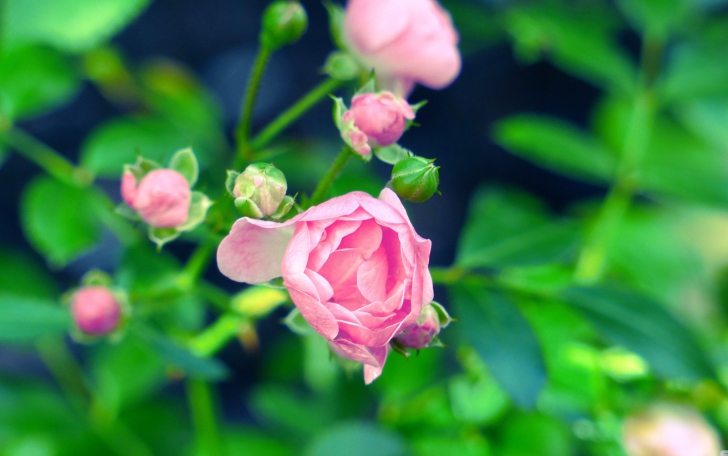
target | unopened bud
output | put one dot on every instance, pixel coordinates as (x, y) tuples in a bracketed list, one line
[(423, 332), (415, 178), (162, 198), (381, 116), (283, 23), (259, 190), (95, 310)]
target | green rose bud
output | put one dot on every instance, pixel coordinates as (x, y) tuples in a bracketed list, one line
[(415, 178), (283, 23), (259, 190)]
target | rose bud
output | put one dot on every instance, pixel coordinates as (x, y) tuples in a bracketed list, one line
[(669, 430), (404, 42), (415, 178), (259, 190), (162, 198), (95, 310), (420, 334), (382, 117), (354, 267), (283, 23)]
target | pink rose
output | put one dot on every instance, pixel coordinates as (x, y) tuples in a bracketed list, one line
[(354, 266), (404, 41), (380, 116), (162, 198), (669, 430), (95, 310)]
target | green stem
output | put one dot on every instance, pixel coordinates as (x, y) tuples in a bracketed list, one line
[(45, 157), (323, 186), (217, 335), (196, 265), (242, 132), (202, 408), (313, 97), (592, 258)]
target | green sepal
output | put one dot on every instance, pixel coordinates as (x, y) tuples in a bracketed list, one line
[(96, 278), (128, 213), (284, 208), (392, 154), (336, 19), (442, 315), (161, 236), (399, 348), (296, 323), (369, 87), (230, 180), (247, 208), (184, 162), (199, 204), (339, 110), (341, 66)]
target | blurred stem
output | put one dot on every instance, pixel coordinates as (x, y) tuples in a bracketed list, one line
[(217, 335), (45, 157), (202, 408), (242, 133), (323, 186), (196, 265), (217, 296), (287, 117), (592, 258)]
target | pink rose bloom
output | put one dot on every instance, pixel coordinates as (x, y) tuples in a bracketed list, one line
[(380, 116), (404, 41), (95, 310), (354, 266), (669, 431), (162, 198)]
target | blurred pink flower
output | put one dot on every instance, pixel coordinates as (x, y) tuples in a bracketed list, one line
[(95, 310), (404, 41), (380, 116), (162, 198), (667, 430), (354, 266)]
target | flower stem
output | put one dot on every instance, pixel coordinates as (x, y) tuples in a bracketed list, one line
[(287, 117), (593, 256), (45, 157), (202, 407), (323, 186), (196, 265), (242, 132), (217, 335)]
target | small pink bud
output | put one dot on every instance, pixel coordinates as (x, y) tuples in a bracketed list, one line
[(420, 334), (162, 198), (358, 141), (380, 116), (95, 310)]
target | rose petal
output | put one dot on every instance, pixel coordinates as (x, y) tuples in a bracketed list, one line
[(253, 251), (296, 257), (128, 188), (305, 296), (325, 292), (371, 277), (340, 230), (366, 239), (371, 24)]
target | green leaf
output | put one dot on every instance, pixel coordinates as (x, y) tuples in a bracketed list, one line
[(645, 327), (119, 141), (695, 73), (177, 357), (478, 401), (184, 162), (356, 439), (503, 338), (392, 154), (70, 25), (656, 16), (511, 229), (583, 43), (292, 412), (60, 221), (533, 433), (557, 146), (24, 319), (22, 275), (33, 80)]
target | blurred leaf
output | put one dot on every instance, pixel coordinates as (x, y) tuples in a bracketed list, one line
[(119, 141), (60, 221), (695, 72), (392, 154), (23, 275), (479, 401), (142, 269), (319, 370), (356, 439), (645, 327), (460, 445), (557, 146), (251, 441), (676, 164), (70, 25), (579, 41), (117, 385), (425, 407), (528, 434), (504, 339), (23, 319), (33, 80), (507, 228), (178, 357), (655, 16), (291, 413), (707, 119), (406, 376)]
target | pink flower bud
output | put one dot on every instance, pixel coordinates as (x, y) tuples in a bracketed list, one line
[(95, 310), (420, 334), (669, 430), (404, 41), (162, 198), (380, 116), (358, 141)]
